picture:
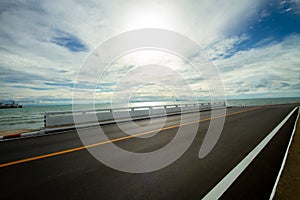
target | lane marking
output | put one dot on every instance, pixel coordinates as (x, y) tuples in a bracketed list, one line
[(226, 182), (117, 139), (285, 157)]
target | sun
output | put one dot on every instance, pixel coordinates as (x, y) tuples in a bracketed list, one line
[(147, 18)]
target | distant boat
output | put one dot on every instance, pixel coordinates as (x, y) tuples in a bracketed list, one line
[(10, 105)]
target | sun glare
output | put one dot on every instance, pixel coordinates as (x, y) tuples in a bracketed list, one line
[(147, 19), (156, 57)]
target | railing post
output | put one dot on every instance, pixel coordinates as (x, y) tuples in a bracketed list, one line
[(46, 116), (150, 111)]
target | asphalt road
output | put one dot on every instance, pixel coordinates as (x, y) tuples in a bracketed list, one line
[(73, 173)]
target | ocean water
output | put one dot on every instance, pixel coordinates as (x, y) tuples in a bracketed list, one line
[(32, 117), (262, 101)]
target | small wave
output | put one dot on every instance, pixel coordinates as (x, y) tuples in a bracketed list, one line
[(20, 119), (21, 122)]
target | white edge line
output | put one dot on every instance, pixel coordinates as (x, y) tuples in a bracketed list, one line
[(225, 183), (285, 157)]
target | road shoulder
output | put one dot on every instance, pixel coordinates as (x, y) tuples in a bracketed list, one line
[(289, 183)]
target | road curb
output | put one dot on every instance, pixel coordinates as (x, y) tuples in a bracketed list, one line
[(19, 135)]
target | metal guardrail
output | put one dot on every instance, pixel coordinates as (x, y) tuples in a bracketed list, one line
[(61, 118)]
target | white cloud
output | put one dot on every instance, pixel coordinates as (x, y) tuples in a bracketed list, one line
[(272, 69), (28, 29), (224, 47)]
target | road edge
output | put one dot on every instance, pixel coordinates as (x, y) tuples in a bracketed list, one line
[(220, 188), (280, 173)]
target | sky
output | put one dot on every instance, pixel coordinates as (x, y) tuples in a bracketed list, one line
[(254, 44)]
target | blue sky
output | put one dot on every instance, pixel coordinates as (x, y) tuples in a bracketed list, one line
[(254, 44)]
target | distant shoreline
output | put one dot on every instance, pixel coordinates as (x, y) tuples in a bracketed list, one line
[(138, 101)]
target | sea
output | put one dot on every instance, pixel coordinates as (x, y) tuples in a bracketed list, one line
[(32, 116)]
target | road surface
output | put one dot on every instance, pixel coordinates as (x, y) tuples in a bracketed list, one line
[(59, 167)]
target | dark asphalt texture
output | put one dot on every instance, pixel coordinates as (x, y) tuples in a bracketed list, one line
[(78, 175)]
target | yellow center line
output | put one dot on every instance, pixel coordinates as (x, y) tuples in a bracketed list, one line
[(117, 139)]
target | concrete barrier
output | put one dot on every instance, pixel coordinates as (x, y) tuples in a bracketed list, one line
[(65, 118)]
